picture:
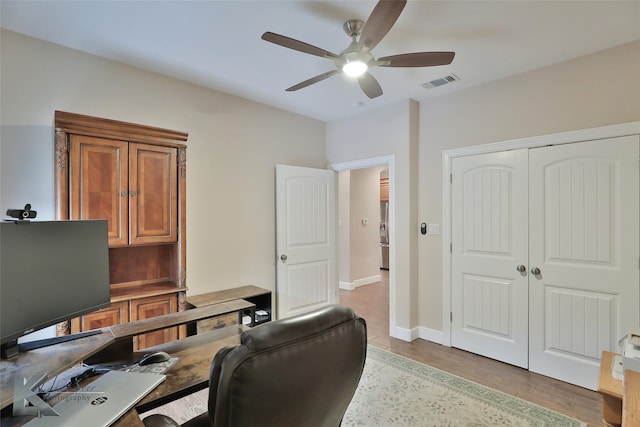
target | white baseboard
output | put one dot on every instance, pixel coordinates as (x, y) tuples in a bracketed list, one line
[(346, 286), (405, 334), (421, 332), (430, 335), (350, 286)]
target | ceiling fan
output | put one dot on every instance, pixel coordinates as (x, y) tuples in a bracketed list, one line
[(356, 59)]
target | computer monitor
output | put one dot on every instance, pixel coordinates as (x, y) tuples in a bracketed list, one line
[(50, 271)]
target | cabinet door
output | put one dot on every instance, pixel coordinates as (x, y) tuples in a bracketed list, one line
[(153, 174), (145, 308), (384, 189), (115, 314), (99, 183)]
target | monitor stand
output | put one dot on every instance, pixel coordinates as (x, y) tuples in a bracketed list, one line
[(11, 349)]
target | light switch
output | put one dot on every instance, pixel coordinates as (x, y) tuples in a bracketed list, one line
[(434, 228)]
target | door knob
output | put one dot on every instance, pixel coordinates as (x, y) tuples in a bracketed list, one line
[(521, 268), (283, 258), (535, 271)]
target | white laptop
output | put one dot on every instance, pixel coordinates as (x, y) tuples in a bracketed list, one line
[(101, 402)]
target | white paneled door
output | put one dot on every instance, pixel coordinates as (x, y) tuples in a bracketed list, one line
[(545, 254), (305, 239), (489, 241), (583, 234)]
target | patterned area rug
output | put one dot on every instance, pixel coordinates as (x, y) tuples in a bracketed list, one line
[(396, 391)]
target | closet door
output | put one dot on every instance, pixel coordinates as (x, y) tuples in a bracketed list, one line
[(584, 244), (489, 291)]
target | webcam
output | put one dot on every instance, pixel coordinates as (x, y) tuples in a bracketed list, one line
[(21, 214)]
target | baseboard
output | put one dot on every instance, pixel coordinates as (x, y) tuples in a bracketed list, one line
[(350, 286), (430, 335), (405, 334), (346, 286)]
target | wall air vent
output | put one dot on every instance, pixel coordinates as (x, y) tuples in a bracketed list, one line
[(441, 81)]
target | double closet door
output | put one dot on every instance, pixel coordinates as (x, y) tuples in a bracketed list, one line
[(545, 255)]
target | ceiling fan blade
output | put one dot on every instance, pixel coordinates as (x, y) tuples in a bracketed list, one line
[(418, 59), (382, 18), (370, 86), (294, 44), (312, 80)]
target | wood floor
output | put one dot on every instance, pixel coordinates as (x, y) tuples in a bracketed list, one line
[(372, 303)]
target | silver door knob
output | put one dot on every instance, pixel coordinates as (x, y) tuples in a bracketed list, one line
[(283, 258), (521, 268), (535, 271)]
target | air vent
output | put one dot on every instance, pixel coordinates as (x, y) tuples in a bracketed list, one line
[(441, 81)]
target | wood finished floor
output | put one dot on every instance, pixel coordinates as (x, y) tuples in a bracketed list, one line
[(372, 303)]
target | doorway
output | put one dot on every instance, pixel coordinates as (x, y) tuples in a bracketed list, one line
[(371, 289)]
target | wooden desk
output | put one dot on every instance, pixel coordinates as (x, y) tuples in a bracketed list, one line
[(620, 403), (631, 399), (610, 391), (259, 296), (190, 374)]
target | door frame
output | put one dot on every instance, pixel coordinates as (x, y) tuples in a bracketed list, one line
[(611, 131), (387, 161)]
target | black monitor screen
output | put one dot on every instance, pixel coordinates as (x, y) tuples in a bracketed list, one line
[(51, 271)]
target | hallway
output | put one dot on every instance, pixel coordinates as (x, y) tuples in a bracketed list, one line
[(372, 303)]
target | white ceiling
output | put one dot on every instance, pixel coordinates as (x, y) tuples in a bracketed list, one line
[(217, 43)]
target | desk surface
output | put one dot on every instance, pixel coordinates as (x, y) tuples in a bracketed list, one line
[(606, 383), (226, 295), (190, 374)]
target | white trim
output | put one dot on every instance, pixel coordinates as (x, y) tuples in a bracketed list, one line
[(430, 335), (350, 286), (405, 334), (612, 131), (390, 162)]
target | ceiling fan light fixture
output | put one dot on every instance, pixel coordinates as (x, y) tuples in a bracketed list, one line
[(354, 68)]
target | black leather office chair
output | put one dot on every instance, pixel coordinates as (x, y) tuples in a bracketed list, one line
[(300, 371)]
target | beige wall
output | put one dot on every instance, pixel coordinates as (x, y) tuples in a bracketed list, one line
[(233, 147), (365, 239), (389, 131), (592, 91)]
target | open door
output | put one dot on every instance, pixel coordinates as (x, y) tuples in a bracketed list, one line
[(306, 274)]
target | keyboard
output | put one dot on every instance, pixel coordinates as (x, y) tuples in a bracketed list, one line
[(102, 402)]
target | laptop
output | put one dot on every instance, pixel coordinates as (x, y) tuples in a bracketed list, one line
[(101, 402)]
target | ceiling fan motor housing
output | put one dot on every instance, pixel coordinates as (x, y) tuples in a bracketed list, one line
[(353, 27)]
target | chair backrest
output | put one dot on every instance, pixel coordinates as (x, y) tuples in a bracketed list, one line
[(298, 371)]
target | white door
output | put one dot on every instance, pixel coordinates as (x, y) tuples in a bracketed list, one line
[(584, 240), (305, 239), (489, 296)]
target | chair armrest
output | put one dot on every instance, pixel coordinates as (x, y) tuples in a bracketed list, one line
[(157, 420)]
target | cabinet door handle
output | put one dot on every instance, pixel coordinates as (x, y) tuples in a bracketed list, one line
[(535, 271), (124, 193), (132, 193), (521, 268)]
